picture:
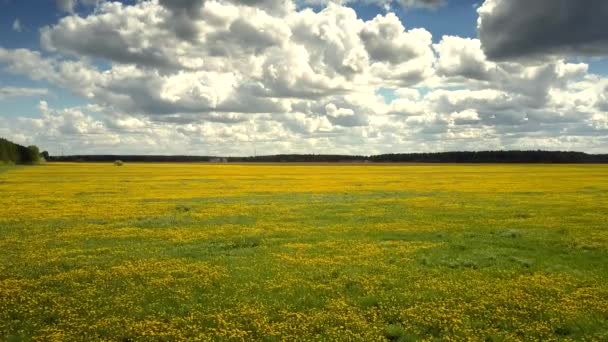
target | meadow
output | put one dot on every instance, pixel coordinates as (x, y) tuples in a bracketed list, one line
[(304, 252)]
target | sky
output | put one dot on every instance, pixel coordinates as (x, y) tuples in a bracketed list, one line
[(238, 77)]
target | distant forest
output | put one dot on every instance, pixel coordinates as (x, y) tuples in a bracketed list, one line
[(440, 157), (11, 153)]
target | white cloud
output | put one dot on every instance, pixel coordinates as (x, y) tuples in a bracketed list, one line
[(462, 57), (468, 116), (344, 116), (218, 75)]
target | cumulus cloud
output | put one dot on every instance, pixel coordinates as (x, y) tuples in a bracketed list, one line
[(522, 28), (185, 15), (398, 57), (462, 57), (461, 61), (516, 99), (331, 38), (386, 40), (119, 33), (344, 116), (243, 60), (221, 76)]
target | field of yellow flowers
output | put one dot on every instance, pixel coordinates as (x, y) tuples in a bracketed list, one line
[(304, 252)]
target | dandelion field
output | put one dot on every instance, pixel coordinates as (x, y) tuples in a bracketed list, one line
[(314, 252)]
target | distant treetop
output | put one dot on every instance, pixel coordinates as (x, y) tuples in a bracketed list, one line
[(438, 157)]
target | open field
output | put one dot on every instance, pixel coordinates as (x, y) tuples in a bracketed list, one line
[(325, 252)]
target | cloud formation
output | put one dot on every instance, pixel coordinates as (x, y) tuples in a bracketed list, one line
[(522, 28), (222, 76)]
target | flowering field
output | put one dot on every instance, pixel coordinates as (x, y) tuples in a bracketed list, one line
[(286, 252)]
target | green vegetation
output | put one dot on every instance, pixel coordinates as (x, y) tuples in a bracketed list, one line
[(266, 252), (11, 153), (559, 157)]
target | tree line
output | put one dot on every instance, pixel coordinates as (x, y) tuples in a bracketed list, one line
[(11, 153), (494, 157), (438, 157)]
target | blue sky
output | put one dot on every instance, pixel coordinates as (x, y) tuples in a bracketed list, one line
[(108, 78)]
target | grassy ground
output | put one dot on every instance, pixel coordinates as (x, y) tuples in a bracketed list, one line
[(277, 252), (5, 167)]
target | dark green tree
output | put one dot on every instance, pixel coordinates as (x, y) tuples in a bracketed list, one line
[(34, 154)]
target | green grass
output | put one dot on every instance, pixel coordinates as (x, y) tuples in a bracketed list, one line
[(5, 167), (183, 252)]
